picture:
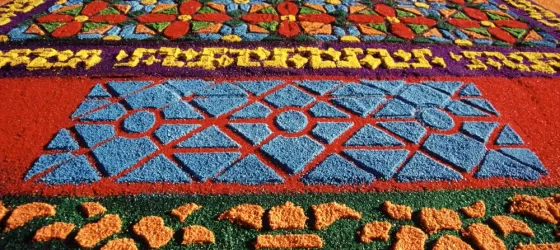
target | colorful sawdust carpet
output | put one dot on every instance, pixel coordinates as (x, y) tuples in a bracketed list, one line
[(235, 124)]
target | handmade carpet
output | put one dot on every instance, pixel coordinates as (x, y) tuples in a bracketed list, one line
[(272, 124)]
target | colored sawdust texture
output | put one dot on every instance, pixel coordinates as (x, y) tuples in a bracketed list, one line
[(3, 210), (91, 209), (184, 211), (483, 237), (549, 4), (450, 242), (534, 207), (289, 241), (376, 230), (409, 238), (92, 233), (328, 213), (397, 212), (286, 216), (509, 225), (120, 244), (27, 212), (476, 210), (549, 246), (197, 235), (153, 230), (247, 215), (57, 230), (433, 220)]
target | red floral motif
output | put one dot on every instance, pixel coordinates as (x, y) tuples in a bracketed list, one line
[(73, 24), (497, 32)]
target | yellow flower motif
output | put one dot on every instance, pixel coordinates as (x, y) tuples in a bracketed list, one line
[(422, 5), (487, 24), (231, 38), (334, 2), (184, 18), (81, 18), (503, 7), (241, 1), (4, 38), (393, 19), (148, 2), (112, 38), (463, 42), (351, 39), (61, 2), (291, 18)]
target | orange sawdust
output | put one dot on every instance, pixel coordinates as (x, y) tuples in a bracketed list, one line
[(27, 212), (550, 5), (553, 204), (433, 220), (3, 210), (509, 225), (92, 233), (289, 241), (376, 230), (91, 209), (197, 235), (483, 237), (409, 238), (397, 212), (532, 206), (476, 210), (184, 211), (450, 242), (287, 216), (153, 230), (327, 213), (247, 215), (120, 244), (57, 230), (548, 246)]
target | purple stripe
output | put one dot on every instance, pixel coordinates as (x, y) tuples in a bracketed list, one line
[(20, 17)]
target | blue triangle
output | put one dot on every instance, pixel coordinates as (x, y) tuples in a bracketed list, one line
[(381, 163), (255, 110), (76, 171), (88, 105), (353, 89), (327, 132), (508, 136), (292, 153), (110, 113), (461, 109), (158, 169), (482, 104), (211, 137), (324, 110), (445, 87), (411, 131), (499, 165), (253, 132), (216, 106), (167, 133), (98, 92), (479, 130), (470, 90), (126, 87), (92, 134), (335, 170), (526, 157), (251, 171), (360, 106), (423, 168), (389, 87), (258, 87), (63, 140), (371, 136), (223, 90), (188, 87), (45, 162), (181, 110), (205, 165), (319, 87), (396, 109)]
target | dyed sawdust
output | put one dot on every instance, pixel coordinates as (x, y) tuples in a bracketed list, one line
[(327, 213), (92, 233), (376, 230), (247, 215), (184, 211), (289, 241), (287, 216), (153, 230), (3, 210), (409, 238), (552, 5), (509, 225), (397, 212), (550, 246), (57, 230), (91, 209), (120, 244), (27, 212), (450, 242), (483, 237), (537, 208), (197, 235), (433, 220), (476, 210)]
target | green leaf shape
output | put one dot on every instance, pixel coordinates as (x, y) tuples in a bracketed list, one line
[(159, 26), (109, 11), (169, 11), (368, 12), (197, 25), (501, 43), (206, 9), (378, 26), (73, 12), (268, 10), (495, 16), (234, 22), (88, 26), (307, 10), (236, 13), (394, 39), (303, 38), (445, 26), (50, 27), (461, 15), (516, 32), (418, 28), (422, 40), (482, 31), (402, 13), (269, 25)]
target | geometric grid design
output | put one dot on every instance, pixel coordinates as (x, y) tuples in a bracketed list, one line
[(264, 132)]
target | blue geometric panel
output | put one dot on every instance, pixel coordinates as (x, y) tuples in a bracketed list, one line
[(253, 132), (217, 106), (382, 163), (223, 90), (359, 105), (353, 89), (526, 157), (75, 171), (88, 105), (327, 132), (479, 130), (187, 87), (158, 169), (139, 122), (110, 113), (92, 134), (181, 110), (251, 171), (423, 168), (291, 121), (411, 131), (289, 96), (126, 87), (496, 164), (45, 162), (423, 96), (508, 136), (121, 153), (292, 153), (389, 87), (258, 87), (205, 165), (462, 109), (155, 97), (98, 92), (461, 151), (255, 110), (482, 104), (371, 136), (167, 133), (446, 87), (470, 90), (324, 110), (336, 170), (63, 140), (395, 108), (319, 87), (212, 137), (436, 119)]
